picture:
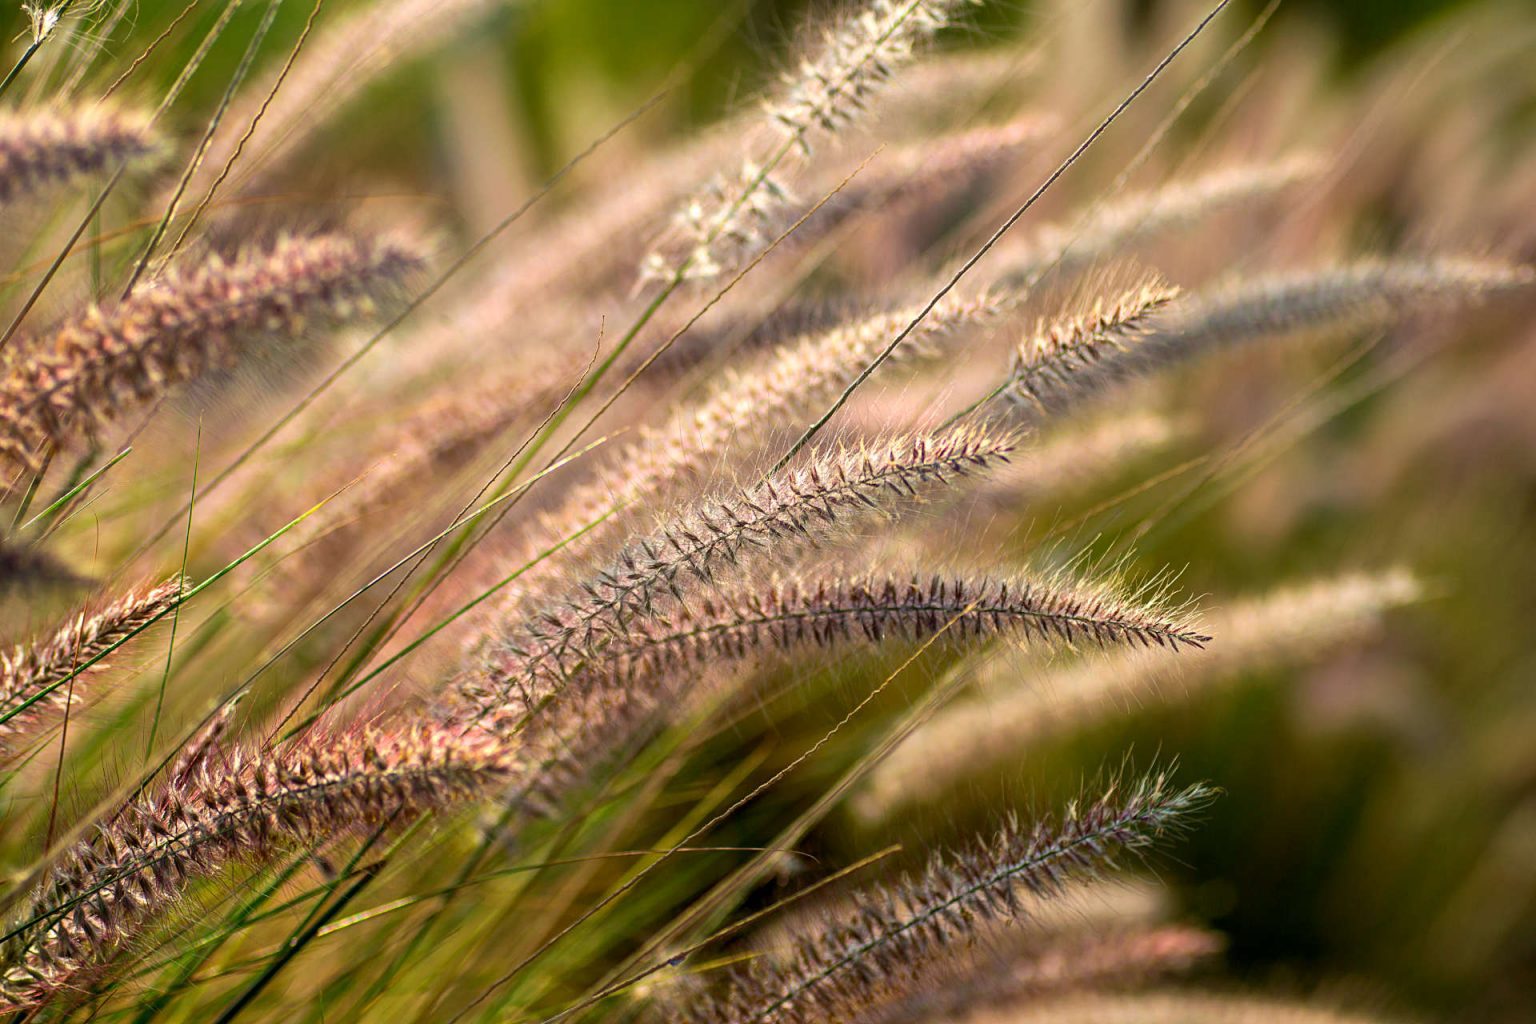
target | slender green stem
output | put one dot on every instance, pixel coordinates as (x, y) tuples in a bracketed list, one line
[(317, 920), (33, 486), (191, 593), (235, 80), (15, 72), (170, 648), (64, 499), (195, 959)]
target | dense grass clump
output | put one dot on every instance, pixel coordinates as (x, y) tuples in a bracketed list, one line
[(687, 600)]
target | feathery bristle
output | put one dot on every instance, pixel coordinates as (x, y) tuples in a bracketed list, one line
[(91, 369), (800, 505), (886, 947), (1290, 625), (1008, 971), (39, 151), (1065, 360), (30, 675), (1106, 231), (1352, 297), (801, 614), (246, 805), (737, 214)]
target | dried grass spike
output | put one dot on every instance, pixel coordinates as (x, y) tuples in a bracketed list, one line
[(30, 675), (1066, 360), (96, 366), (800, 614), (1288, 626), (888, 945), (248, 807), (801, 505), (649, 668), (1335, 300)]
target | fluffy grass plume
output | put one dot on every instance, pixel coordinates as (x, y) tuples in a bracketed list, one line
[(236, 805), (801, 613), (1066, 360), (825, 494), (858, 52), (1293, 624), (34, 677), (47, 150), (873, 953), (660, 663), (93, 368)]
